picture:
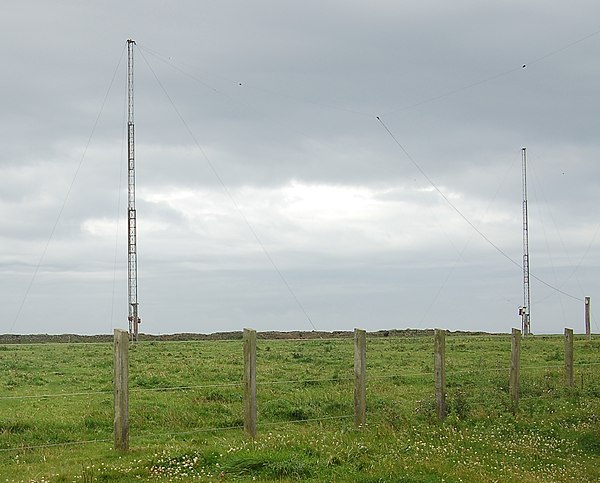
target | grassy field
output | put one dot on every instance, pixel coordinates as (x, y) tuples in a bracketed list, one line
[(186, 412)]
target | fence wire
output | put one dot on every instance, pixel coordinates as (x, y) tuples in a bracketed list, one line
[(54, 445), (147, 436), (293, 381)]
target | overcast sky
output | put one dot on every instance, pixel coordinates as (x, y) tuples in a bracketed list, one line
[(269, 195)]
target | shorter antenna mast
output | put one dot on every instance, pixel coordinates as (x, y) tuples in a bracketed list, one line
[(525, 310)]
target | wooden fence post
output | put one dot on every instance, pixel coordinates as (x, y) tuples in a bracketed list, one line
[(440, 372), (569, 378), (588, 327), (360, 379), (250, 382), (121, 389), (515, 366)]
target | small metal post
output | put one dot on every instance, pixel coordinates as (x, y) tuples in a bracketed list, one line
[(588, 327)]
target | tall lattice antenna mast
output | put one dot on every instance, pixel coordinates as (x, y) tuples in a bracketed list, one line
[(134, 319), (525, 311)]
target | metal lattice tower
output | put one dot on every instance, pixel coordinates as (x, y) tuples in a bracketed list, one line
[(525, 311), (134, 319)]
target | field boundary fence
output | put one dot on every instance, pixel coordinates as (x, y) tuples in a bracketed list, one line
[(250, 387)]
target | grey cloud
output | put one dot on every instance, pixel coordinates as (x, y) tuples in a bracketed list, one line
[(278, 93)]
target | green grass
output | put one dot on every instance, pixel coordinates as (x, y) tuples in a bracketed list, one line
[(64, 432)]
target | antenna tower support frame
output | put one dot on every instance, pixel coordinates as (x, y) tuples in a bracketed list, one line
[(134, 319), (525, 311)]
